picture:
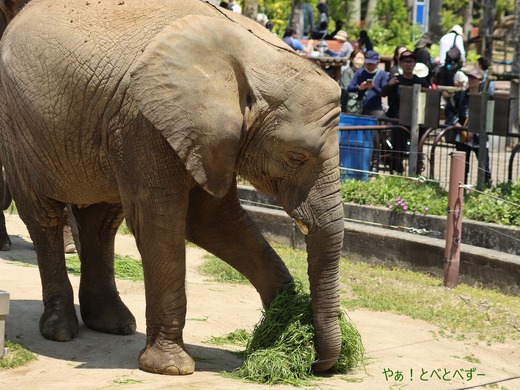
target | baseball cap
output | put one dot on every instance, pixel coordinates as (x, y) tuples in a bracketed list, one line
[(477, 73), (371, 57), (405, 55)]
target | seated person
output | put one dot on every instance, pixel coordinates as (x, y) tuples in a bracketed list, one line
[(290, 39), (346, 47)]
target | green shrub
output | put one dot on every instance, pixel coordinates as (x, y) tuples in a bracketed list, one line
[(496, 205)]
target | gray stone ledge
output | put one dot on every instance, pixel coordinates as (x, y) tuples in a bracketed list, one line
[(487, 267)]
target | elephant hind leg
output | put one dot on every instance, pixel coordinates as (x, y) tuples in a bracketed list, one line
[(45, 225), (5, 241), (101, 307)]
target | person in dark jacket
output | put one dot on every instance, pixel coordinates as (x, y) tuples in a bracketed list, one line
[(398, 138), (422, 55), (457, 113)]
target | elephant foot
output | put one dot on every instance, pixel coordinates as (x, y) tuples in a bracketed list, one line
[(59, 324), (5, 244), (107, 315), (170, 360)]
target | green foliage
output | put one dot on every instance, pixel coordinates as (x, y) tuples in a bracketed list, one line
[(17, 356), (420, 197), (492, 208), (238, 337), (221, 271), (497, 205), (393, 27)]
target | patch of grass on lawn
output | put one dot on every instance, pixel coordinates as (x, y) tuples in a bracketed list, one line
[(465, 312), (220, 271), (17, 356), (126, 267)]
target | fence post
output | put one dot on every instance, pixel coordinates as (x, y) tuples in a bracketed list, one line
[(4, 310), (454, 220), (414, 131), (482, 150)]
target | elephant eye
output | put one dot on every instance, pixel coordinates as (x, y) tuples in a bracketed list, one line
[(295, 159)]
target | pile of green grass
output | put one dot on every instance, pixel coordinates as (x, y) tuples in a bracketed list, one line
[(281, 349)]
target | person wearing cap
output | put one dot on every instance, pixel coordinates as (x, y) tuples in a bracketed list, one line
[(367, 84), (391, 90), (456, 113)]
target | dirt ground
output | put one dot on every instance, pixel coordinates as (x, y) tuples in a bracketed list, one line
[(403, 353)]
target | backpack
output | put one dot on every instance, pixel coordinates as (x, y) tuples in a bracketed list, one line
[(453, 56)]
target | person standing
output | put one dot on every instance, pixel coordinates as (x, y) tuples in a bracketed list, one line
[(422, 55), (356, 62), (398, 138), (457, 113), (364, 42), (452, 55), (308, 20), (367, 83), (483, 65)]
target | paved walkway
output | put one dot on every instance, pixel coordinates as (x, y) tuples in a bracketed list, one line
[(403, 353)]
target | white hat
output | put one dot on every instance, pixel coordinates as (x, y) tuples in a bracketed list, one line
[(420, 70), (458, 29)]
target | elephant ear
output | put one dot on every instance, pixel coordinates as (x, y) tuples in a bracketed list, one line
[(190, 86)]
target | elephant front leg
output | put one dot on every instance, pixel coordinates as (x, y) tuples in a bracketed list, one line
[(159, 232), (222, 227)]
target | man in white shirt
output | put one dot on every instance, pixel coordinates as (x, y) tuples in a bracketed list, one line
[(454, 36)]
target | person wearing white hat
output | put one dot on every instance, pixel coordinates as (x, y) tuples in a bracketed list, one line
[(454, 37), (452, 56), (346, 47)]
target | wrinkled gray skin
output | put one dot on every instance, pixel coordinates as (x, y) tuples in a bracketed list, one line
[(8, 9), (148, 111)]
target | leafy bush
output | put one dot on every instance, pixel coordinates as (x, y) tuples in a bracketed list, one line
[(496, 205)]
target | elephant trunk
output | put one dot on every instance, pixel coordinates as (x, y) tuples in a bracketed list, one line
[(324, 249), (320, 218)]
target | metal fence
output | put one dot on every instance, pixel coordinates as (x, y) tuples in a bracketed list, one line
[(433, 154)]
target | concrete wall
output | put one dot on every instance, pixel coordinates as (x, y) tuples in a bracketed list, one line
[(394, 248)]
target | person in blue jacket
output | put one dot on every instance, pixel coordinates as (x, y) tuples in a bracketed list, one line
[(368, 83)]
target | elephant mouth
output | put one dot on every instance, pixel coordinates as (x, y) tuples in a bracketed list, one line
[(302, 226)]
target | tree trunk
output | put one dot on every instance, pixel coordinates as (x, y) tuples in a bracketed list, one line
[(468, 25), (296, 21), (435, 20), (251, 8), (354, 16), (487, 27), (370, 17)]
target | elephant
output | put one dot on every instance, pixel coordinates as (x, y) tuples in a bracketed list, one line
[(149, 111), (8, 10)]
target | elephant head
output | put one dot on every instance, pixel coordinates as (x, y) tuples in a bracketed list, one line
[(238, 101)]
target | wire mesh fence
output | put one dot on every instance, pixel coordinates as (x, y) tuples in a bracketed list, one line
[(366, 151)]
